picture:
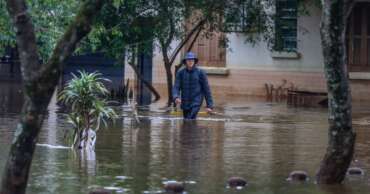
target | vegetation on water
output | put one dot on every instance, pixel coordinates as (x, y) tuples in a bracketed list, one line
[(85, 96)]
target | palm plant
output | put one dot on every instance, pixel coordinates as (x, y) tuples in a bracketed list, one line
[(84, 95)]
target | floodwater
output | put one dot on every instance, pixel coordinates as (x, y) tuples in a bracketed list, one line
[(260, 141)]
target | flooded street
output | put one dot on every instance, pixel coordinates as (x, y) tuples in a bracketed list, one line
[(260, 141)]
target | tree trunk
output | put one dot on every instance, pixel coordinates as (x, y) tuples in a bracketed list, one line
[(341, 134), (169, 84), (39, 83), (169, 76)]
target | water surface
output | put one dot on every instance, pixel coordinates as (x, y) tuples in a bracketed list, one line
[(262, 142)]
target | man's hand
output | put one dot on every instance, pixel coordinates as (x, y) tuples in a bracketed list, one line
[(178, 101)]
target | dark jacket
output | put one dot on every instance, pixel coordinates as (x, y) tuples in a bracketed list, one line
[(191, 86)]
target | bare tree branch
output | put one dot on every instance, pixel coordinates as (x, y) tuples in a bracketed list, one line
[(350, 5), (194, 40), (188, 36)]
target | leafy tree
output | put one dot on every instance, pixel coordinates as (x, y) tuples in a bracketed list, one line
[(39, 81)]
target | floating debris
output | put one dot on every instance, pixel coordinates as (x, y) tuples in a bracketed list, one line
[(298, 176), (174, 186), (355, 171), (237, 182)]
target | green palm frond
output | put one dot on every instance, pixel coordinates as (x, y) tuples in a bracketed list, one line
[(84, 94)]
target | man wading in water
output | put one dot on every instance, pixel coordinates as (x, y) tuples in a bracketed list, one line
[(190, 87)]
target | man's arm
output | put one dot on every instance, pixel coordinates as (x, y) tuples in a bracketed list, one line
[(176, 88), (206, 89)]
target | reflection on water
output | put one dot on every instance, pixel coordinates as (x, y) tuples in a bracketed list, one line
[(260, 142)]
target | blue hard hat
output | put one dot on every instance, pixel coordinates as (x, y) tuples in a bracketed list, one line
[(190, 55)]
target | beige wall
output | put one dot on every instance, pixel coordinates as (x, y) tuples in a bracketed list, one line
[(242, 55)]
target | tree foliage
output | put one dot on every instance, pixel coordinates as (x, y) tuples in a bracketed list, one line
[(7, 35), (127, 22), (50, 19)]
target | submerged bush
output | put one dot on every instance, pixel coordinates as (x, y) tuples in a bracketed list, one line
[(85, 96)]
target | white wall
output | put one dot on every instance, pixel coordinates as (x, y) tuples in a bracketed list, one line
[(242, 55)]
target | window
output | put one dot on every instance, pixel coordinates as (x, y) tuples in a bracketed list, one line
[(236, 19), (244, 17), (286, 25), (358, 37)]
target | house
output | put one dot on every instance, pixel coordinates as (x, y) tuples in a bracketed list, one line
[(243, 69)]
